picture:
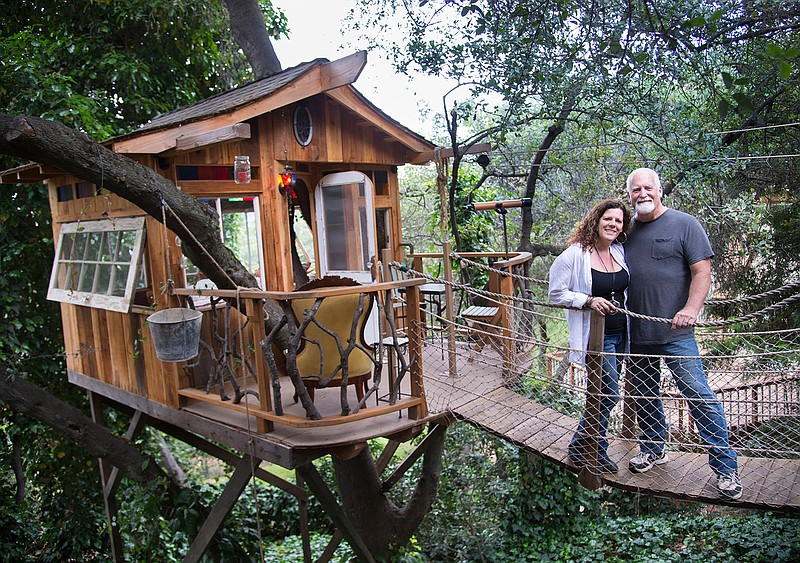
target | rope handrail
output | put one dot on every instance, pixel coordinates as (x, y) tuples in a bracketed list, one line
[(491, 295), (786, 288), (512, 275)]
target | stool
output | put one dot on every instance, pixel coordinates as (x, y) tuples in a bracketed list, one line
[(393, 348)]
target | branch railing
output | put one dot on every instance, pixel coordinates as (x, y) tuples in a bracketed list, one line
[(276, 361)]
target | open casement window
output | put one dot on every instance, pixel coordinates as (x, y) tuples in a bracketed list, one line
[(99, 263), (346, 226)]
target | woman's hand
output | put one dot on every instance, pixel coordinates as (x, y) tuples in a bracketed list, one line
[(602, 306)]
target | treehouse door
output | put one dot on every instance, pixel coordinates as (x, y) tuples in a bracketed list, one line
[(346, 226)]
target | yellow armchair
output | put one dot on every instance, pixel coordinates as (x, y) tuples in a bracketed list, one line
[(319, 360)]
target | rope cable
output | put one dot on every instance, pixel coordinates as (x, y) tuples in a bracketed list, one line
[(786, 288), (469, 289)]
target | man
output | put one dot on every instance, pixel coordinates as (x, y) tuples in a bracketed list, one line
[(669, 256)]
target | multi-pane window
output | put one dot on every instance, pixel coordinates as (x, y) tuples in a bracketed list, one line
[(98, 263)]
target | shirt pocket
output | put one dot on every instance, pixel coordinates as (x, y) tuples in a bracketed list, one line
[(664, 248)]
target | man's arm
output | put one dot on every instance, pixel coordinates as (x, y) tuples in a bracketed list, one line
[(698, 291)]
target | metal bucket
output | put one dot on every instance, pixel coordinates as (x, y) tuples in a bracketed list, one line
[(176, 333)]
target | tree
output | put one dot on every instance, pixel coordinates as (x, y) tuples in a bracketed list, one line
[(45, 141), (636, 74)]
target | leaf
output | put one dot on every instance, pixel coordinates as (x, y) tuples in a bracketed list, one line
[(696, 21), (774, 50), (727, 79), (717, 15), (723, 108), (785, 70), (744, 101)]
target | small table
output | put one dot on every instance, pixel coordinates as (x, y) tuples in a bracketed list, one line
[(432, 294)]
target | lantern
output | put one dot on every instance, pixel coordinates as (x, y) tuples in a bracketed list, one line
[(288, 181)]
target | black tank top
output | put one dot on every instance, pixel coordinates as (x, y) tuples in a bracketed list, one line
[(612, 286)]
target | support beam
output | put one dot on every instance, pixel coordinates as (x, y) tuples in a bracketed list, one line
[(231, 493), (134, 429), (423, 447), (304, 530), (237, 131), (109, 500), (228, 457), (386, 455), (320, 489)]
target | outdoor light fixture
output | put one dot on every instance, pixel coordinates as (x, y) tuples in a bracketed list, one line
[(288, 180)]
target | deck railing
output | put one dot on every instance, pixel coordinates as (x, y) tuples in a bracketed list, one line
[(245, 355), (500, 330)]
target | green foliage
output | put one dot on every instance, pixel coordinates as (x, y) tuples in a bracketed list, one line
[(498, 503), (50, 525), (104, 67)]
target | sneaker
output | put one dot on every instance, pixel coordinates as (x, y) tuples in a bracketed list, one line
[(645, 462), (604, 463), (729, 485)]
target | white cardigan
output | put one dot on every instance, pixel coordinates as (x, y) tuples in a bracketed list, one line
[(571, 285)]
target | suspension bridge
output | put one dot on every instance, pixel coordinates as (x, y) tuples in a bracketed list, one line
[(533, 397)]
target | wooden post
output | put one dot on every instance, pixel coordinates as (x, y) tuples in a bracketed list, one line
[(415, 334), (449, 309), (589, 477), (304, 531), (255, 311), (506, 286), (109, 493), (320, 489), (221, 509)]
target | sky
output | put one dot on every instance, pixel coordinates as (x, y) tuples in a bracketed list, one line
[(317, 31)]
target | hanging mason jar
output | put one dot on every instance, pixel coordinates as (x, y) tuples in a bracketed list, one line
[(241, 169)]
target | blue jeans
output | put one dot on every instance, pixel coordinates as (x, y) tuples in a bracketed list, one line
[(613, 347), (706, 409)]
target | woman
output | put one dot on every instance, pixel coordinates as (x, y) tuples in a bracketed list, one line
[(592, 274)]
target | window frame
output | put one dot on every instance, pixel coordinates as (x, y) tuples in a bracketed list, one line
[(120, 303)]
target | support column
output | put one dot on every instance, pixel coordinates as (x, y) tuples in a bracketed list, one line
[(231, 493), (320, 489), (107, 476)]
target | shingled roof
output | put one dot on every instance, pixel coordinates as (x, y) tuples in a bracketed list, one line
[(227, 101)]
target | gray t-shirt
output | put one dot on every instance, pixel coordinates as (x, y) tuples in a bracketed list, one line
[(659, 254)]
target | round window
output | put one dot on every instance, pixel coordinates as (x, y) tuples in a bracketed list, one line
[(303, 127)]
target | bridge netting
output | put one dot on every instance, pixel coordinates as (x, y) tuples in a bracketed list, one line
[(754, 375)]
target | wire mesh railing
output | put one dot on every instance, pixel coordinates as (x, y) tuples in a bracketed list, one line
[(751, 408)]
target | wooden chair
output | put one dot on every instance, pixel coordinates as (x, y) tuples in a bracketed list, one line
[(318, 357), (484, 323)]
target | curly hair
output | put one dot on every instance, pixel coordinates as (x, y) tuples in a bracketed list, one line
[(586, 232)]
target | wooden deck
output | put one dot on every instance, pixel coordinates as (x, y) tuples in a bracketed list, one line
[(477, 396)]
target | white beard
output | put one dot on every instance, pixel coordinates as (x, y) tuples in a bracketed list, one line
[(645, 208)]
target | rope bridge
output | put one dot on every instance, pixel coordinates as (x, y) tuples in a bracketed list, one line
[(535, 396)]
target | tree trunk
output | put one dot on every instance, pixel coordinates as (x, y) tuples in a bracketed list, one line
[(27, 398), (384, 526), (250, 32), (525, 244)]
